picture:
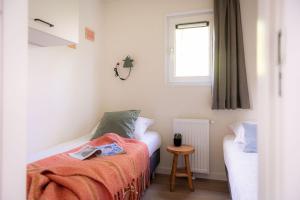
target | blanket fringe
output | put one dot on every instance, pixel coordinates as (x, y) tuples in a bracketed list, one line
[(134, 190)]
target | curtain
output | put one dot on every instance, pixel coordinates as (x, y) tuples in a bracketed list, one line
[(230, 88)]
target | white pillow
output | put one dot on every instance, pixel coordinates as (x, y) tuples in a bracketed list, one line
[(238, 129), (141, 125)]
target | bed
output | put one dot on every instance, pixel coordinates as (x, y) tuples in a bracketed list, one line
[(151, 138), (151, 141), (241, 170)]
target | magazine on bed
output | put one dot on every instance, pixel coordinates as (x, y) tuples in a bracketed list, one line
[(103, 150)]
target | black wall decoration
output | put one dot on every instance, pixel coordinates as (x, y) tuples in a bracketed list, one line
[(128, 63)]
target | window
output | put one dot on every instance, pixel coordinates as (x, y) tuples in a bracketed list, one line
[(189, 52)]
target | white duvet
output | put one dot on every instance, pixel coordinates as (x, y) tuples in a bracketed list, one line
[(242, 170)]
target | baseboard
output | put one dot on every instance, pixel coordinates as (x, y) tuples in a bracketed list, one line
[(212, 176)]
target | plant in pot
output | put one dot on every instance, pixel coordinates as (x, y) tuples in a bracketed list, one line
[(177, 139)]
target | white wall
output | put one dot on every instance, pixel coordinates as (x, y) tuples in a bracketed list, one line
[(64, 85), (13, 93), (290, 138), (1, 91), (136, 28)]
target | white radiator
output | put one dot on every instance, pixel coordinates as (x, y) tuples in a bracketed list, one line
[(195, 132)]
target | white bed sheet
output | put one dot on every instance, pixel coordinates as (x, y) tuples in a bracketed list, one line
[(153, 141), (242, 170), (151, 138)]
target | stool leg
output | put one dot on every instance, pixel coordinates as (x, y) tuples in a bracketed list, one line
[(173, 173), (188, 171)]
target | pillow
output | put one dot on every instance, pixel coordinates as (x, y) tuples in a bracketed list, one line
[(250, 138), (121, 123), (238, 129), (141, 125)]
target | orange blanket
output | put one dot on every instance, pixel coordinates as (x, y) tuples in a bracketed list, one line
[(117, 177)]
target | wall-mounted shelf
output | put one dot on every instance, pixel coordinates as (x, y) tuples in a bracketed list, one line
[(53, 22)]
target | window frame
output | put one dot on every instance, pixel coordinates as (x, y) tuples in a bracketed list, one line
[(180, 18)]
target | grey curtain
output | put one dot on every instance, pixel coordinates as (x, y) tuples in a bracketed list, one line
[(230, 88)]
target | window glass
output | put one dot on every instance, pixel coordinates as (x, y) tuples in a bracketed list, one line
[(189, 50), (192, 52)]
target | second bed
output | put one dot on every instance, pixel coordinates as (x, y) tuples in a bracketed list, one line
[(241, 170)]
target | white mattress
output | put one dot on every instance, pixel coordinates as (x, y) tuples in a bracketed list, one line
[(151, 139), (242, 170)]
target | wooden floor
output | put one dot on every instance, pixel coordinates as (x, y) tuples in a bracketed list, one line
[(204, 190)]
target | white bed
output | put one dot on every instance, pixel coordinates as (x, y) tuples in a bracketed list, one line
[(242, 170), (151, 138)]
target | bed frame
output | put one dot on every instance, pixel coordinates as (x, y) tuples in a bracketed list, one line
[(154, 162)]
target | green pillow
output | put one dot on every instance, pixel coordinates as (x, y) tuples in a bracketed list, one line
[(121, 123)]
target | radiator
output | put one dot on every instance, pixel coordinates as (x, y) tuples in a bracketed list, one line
[(195, 132)]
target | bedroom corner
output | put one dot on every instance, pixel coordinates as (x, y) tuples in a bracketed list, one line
[(65, 86)]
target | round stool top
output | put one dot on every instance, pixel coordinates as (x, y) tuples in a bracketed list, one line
[(183, 149)]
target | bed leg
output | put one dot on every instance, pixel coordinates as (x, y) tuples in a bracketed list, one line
[(153, 175)]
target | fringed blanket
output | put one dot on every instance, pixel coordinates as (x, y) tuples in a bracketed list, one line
[(118, 177)]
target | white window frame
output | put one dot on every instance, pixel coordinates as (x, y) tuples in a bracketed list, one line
[(180, 18)]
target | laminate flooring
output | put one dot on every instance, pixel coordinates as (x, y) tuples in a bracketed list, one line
[(204, 190)]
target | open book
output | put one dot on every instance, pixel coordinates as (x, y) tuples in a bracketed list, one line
[(103, 150)]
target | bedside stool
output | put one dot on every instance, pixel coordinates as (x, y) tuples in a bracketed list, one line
[(184, 150)]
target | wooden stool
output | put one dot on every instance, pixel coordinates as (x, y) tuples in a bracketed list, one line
[(184, 150)]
